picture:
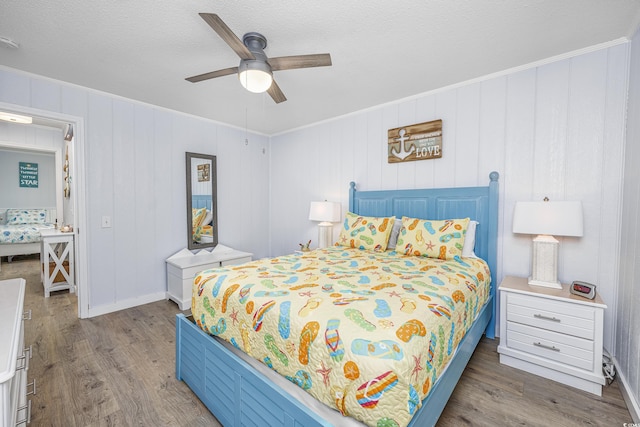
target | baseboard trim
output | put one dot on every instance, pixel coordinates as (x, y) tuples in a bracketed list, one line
[(632, 403), (128, 303)]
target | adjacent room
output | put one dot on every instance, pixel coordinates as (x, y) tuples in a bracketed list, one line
[(363, 214)]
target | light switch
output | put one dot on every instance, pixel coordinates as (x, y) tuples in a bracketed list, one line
[(106, 222)]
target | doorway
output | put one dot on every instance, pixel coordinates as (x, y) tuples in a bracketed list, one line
[(75, 208)]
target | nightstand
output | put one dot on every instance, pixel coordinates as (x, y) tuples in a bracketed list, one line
[(552, 333), (183, 267)]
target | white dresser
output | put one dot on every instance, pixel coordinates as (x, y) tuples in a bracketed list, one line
[(183, 267), (14, 358), (552, 333)]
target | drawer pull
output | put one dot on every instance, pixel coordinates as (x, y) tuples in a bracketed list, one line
[(27, 417), (31, 384), (548, 347), (540, 316), (22, 363)]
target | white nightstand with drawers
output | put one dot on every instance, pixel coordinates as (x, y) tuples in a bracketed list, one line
[(183, 267), (552, 333)]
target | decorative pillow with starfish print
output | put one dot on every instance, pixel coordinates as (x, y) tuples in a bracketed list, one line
[(365, 232)]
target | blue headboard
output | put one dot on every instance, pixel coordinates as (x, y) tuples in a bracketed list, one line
[(201, 201), (477, 203)]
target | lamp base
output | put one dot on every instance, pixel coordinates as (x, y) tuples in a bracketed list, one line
[(544, 264), (554, 285), (325, 234)]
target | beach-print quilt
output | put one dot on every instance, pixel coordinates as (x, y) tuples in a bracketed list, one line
[(366, 333), (23, 233)]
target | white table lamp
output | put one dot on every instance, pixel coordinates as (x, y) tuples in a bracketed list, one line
[(327, 213), (546, 219)]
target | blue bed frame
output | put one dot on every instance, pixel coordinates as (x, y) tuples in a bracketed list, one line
[(238, 395)]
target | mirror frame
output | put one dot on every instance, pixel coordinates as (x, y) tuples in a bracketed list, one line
[(214, 202)]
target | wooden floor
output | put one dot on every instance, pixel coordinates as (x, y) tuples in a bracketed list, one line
[(118, 370)]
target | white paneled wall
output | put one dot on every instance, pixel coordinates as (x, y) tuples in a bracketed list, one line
[(627, 344), (135, 173), (554, 130)]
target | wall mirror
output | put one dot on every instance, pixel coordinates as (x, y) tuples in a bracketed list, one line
[(202, 217)]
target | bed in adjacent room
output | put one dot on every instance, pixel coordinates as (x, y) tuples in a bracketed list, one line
[(378, 331), (20, 230)]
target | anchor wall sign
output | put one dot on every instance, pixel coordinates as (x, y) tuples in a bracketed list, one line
[(422, 141)]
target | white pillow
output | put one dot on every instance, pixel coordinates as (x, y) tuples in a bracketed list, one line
[(470, 240), (395, 231), (207, 218)]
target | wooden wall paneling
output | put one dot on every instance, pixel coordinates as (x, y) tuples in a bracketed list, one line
[(46, 95), (124, 196), (611, 181), (241, 201), (100, 193), (331, 145), (374, 150), (148, 277), (426, 112), (15, 88), (73, 101), (166, 237), (406, 171), (178, 186), (628, 333), (550, 137), (492, 145), (225, 166), (313, 185), (389, 172), (585, 145), (279, 181), (491, 128), (345, 155), (358, 145), (467, 123), (517, 179), (258, 203), (445, 169)]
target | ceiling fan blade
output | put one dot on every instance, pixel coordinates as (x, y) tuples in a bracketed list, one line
[(276, 93), (300, 61), (227, 35), (212, 75)]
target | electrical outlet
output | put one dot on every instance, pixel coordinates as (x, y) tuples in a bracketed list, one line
[(106, 222)]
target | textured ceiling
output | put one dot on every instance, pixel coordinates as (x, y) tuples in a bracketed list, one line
[(381, 50)]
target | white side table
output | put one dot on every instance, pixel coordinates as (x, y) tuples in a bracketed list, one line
[(552, 333), (57, 255), (184, 266)]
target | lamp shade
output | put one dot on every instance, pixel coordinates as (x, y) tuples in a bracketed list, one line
[(325, 211), (548, 218)]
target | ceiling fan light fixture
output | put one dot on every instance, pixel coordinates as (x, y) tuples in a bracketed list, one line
[(255, 76)]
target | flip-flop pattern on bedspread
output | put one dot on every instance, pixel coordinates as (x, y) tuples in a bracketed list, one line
[(366, 333)]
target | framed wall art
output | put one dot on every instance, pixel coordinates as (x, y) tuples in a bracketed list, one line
[(422, 141)]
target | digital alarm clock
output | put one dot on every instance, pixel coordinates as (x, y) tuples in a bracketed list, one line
[(583, 289)]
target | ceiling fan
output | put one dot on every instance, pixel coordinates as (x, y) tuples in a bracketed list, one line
[(255, 69)]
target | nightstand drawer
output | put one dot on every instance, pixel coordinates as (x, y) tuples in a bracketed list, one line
[(572, 351), (556, 316), (236, 261), (576, 352)]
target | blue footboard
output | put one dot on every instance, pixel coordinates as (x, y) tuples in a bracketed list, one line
[(234, 392)]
